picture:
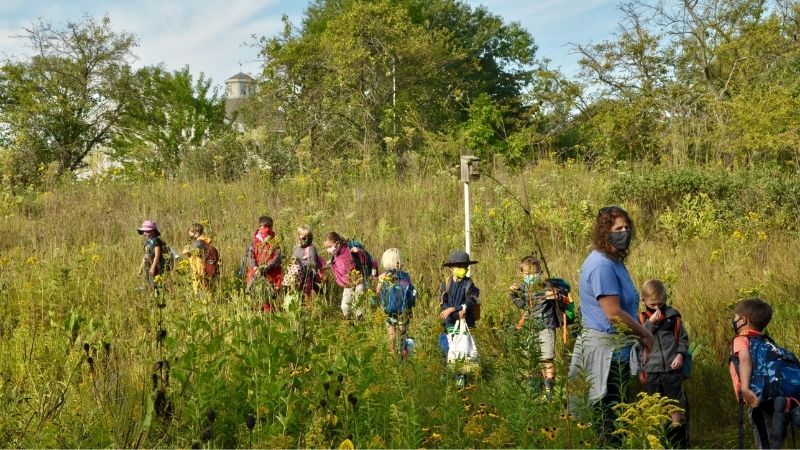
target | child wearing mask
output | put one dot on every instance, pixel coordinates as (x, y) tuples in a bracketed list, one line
[(305, 255), (458, 294), (663, 367), (264, 261), (536, 304)]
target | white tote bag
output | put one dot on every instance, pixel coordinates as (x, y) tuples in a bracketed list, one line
[(461, 345)]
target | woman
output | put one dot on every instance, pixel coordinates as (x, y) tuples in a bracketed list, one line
[(608, 299)]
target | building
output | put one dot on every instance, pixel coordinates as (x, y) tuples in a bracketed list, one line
[(237, 88)]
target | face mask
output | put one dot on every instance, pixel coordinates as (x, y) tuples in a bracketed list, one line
[(620, 240), (735, 326), (330, 250), (532, 278), (459, 272), (304, 241)]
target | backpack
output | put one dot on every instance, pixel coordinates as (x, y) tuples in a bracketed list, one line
[(397, 293), (168, 255), (211, 262), (562, 289), (361, 258), (776, 370)]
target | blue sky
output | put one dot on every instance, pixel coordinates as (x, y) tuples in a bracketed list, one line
[(213, 38)]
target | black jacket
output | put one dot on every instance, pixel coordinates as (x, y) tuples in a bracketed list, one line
[(666, 345)]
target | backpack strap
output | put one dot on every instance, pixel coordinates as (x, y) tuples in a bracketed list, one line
[(677, 328)]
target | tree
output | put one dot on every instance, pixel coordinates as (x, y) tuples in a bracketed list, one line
[(172, 116), (67, 100), (360, 74)]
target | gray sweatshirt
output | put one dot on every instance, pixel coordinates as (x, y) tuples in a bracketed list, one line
[(666, 345)]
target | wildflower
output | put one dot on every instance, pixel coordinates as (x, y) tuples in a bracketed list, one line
[(32, 260), (549, 432), (762, 236), (435, 436), (654, 441)]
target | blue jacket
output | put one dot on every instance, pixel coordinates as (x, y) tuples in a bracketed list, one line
[(461, 294)]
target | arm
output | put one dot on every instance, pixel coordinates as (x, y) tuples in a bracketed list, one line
[(610, 304), (745, 372), (156, 259)]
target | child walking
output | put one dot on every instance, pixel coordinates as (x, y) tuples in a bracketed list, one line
[(530, 296), (264, 261), (352, 266), (459, 299), (765, 377), (398, 297), (203, 259), (663, 367), (309, 262), (155, 254)]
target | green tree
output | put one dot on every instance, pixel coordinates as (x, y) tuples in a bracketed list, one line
[(68, 98), (171, 118), (359, 75)]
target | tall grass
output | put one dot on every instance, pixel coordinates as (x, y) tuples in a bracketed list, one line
[(68, 263)]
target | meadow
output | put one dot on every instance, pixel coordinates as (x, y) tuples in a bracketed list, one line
[(87, 360)]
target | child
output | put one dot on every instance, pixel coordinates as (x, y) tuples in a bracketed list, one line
[(351, 268), (264, 260), (398, 297), (310, 263), (535, 302), (764, 375), (155, 253), (662, 368), (203, 258)]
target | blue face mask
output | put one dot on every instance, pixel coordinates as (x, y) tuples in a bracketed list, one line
[(532, 278)]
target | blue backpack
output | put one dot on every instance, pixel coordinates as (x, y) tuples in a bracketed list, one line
[(397, 293), (776, 370)]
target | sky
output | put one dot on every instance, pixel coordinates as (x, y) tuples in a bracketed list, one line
[(216, 39)]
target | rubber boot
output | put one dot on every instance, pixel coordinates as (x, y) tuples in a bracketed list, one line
[(549, 383)]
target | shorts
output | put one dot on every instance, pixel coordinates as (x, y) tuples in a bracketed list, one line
[(547, 344), (668, 384)]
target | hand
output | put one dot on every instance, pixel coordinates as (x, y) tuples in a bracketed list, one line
[(513, 287), (749, 397), (446, 313), (152, 272), (677, 363), (655, 317), (647, 341)]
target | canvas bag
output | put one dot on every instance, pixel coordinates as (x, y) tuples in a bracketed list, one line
[(461, 345)]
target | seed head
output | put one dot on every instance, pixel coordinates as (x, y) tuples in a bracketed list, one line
[(250, 421), (326, 386), (86, 347), (207, 435), (211, 415)]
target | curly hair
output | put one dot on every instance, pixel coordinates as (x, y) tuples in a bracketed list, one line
[(602, 227)]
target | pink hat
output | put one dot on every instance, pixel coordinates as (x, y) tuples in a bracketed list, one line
[(147, 225)]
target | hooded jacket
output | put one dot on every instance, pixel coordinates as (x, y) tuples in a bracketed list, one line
[(665, 345)]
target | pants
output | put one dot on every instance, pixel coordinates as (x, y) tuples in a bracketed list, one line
[(351, 300)]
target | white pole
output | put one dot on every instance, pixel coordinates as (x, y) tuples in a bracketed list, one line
[(466, 220)]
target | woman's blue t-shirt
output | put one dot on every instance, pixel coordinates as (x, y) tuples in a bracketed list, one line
[(600, 276)]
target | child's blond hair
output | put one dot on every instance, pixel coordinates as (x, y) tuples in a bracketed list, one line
[(391, 259), (654, 289)]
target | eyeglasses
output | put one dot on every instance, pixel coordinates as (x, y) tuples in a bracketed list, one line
[(606, 209)]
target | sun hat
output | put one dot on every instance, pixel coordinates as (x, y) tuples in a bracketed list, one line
[(458, 258), (147, 225)]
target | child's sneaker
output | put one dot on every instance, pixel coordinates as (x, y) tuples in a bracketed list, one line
[(460, 380), (548, 388)]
